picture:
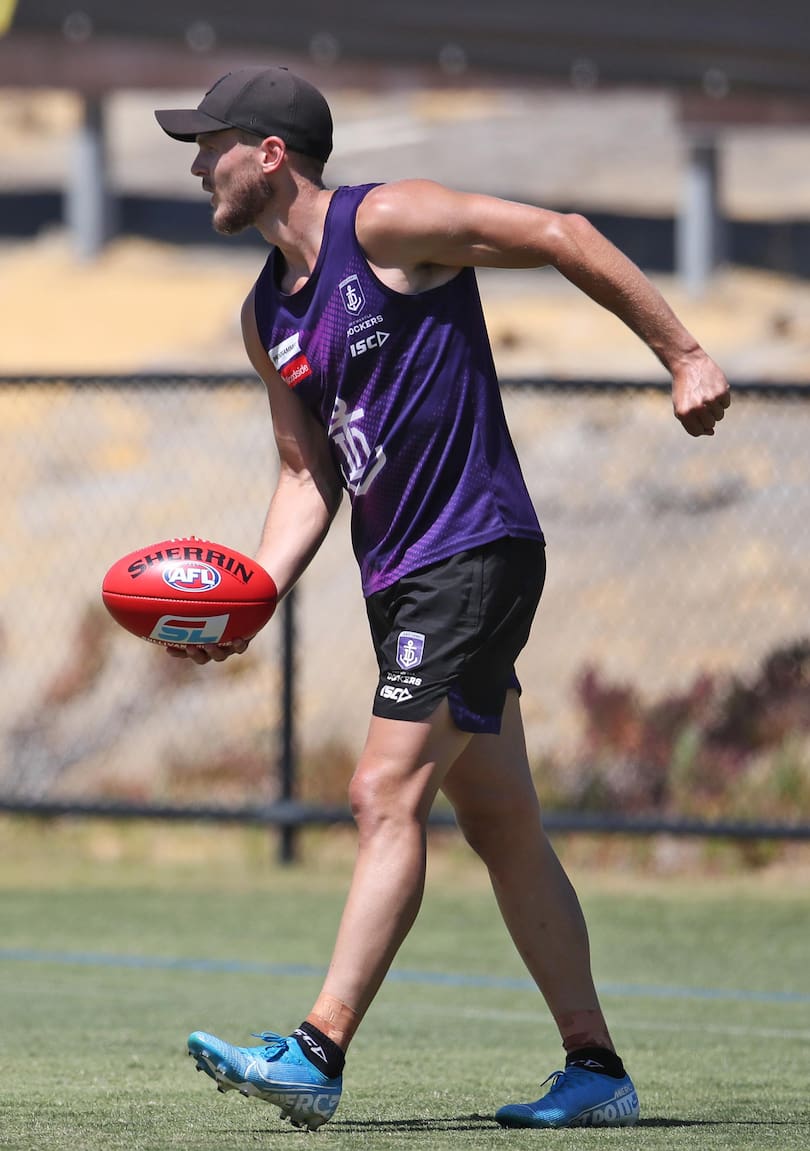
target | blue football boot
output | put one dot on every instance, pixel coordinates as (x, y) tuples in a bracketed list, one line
[(577, 1098), (277, 1072)]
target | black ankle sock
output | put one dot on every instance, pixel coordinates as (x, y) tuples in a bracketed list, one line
[(320, 1050), (599, 1059)]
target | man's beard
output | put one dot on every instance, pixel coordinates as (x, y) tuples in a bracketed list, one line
[(245, 203)]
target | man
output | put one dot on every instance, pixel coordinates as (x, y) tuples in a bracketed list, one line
[(366, 327)]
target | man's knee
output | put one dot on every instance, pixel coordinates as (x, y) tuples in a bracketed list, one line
[(402, 766), (381, 791), (368, 792)]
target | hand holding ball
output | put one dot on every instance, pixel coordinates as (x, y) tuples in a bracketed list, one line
[(189, 591)]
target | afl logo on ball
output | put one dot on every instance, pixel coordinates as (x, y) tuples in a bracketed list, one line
[(192, 577)]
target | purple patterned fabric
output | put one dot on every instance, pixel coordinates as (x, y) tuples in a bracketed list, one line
[(406, 387)]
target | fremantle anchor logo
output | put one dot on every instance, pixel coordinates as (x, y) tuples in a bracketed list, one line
[(410, 649), (351, 292), (362, 465)]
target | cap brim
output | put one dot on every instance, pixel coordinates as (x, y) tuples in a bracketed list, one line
[(187, 124)]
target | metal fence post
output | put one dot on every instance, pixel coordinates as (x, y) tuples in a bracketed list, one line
[(287, 831), (700, 230), (89, 207)]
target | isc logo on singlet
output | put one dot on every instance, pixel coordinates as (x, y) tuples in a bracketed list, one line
[(372, 340)]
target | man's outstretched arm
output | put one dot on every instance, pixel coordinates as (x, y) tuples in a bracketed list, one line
[(419, 223)]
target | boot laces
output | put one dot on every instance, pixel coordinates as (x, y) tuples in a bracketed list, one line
[(276, 1044)]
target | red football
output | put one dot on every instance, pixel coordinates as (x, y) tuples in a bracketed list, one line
[(189, 591)]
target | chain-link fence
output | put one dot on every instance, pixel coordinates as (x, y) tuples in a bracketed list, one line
[(671, 561)]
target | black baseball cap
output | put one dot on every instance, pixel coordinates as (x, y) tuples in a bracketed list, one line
[(265, 101)]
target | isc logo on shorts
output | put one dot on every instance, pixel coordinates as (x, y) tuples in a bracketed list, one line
[(396, 694)]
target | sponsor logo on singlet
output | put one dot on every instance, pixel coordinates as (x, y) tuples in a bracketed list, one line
[(289, 361), (285, 351), (296, 370), (366, 343), (361, 325)]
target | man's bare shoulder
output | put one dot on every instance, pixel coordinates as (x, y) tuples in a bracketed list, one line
[(398, 191), (395, 221)]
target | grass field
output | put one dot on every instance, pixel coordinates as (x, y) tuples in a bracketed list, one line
[(115, 945)]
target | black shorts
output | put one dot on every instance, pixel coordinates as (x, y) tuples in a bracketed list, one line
[(454, 629)]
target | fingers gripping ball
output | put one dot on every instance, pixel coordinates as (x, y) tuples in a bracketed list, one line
[(189, 591)]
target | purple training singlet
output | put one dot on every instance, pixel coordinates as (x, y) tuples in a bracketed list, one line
[(405, 386)]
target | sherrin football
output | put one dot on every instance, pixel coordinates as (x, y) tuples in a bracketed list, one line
[(189, 591)]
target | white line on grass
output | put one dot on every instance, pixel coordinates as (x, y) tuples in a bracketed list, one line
[(396, 975)]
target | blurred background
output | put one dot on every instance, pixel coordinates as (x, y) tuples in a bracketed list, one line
[(668, 675)]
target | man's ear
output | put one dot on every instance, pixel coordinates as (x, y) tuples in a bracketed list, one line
[(272, 151)]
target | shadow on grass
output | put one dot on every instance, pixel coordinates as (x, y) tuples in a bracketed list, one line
[(720, 1123), (480, 1122), (453, 1123)]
